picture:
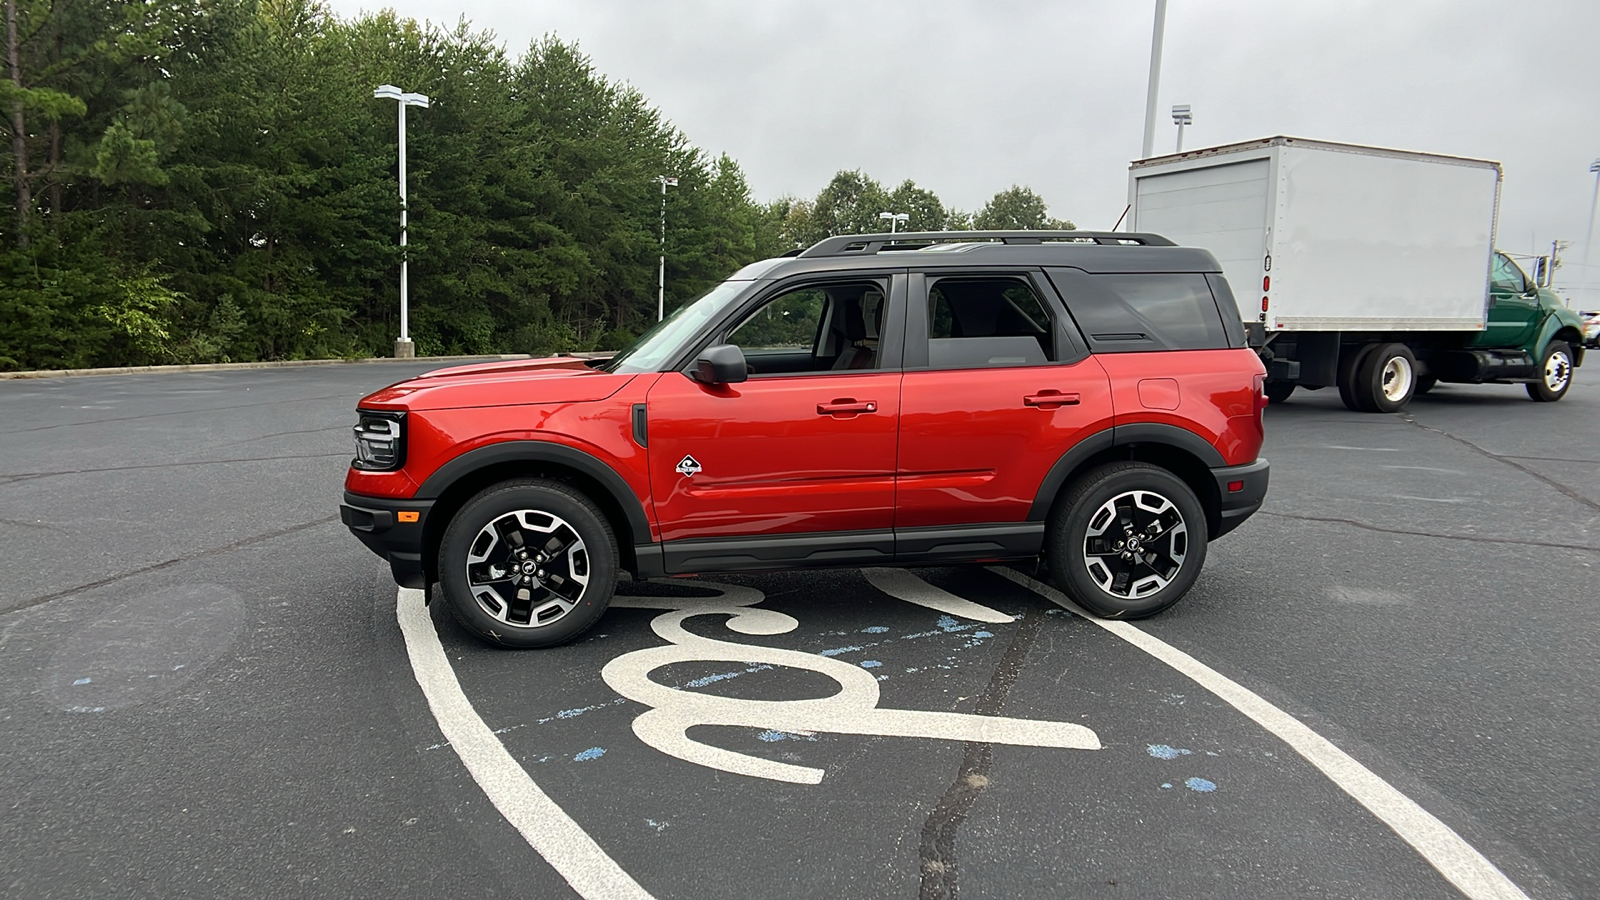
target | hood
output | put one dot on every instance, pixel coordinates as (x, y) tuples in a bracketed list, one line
[(559, 379)]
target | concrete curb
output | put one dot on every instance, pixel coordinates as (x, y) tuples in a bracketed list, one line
[(223, 367)]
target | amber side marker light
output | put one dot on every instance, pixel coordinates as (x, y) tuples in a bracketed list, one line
[(412, 517)]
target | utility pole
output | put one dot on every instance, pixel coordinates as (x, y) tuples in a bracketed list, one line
[(661, 274), (1155, 80), (1588, 236), (403, 348)]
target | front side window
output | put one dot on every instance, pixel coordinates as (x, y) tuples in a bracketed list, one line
[(1508, 277), (814, 328), (987, 322)]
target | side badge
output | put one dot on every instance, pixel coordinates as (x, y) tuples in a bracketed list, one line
[(689, 466)]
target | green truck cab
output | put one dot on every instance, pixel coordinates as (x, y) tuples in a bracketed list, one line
[(1527, 319)]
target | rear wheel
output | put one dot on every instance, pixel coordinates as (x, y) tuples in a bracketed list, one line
[(1555, 374), (1426, 383), (1279, 391), (528, 563), (1127, 541), (1350, 360), (1386, 378)]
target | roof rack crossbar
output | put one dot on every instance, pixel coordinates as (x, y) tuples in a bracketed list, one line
[(866, 244)]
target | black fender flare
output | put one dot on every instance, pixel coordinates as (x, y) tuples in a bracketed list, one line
[(1118, 436), (526, 451)]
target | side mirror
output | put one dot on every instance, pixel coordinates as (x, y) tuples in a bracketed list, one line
[(721, 364)]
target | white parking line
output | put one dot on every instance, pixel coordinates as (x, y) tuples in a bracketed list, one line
[(549, 830), (905, 586), (1455, 859)]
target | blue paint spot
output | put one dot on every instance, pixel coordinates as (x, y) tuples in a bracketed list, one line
[(1201, 785), (839, 650), (875, 629), (772, 737), (1166, 786), (1162, 751), (591, 753), (883, 678), (870, 664), (81, 681), (946, 623), (982, 634)]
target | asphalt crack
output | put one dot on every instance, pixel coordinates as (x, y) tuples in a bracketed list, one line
[(1510, 461), (213, 551), (1474, 538), (937, 851), (29, 476)]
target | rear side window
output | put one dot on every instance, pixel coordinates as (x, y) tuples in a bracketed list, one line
[(1153, 311)]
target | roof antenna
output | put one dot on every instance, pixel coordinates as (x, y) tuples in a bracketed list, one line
[(1121, 217)]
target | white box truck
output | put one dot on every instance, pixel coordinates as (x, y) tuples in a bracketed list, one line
[(1376, 268)]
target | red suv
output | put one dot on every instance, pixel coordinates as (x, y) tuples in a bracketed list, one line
[(912, 399)]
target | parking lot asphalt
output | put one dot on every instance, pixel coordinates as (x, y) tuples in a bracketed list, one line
[(205, 688)]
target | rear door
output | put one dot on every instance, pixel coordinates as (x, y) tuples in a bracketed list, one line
[(996, 389)]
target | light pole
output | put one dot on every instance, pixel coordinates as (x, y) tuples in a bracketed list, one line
[(661, 274), (403, 348), (1182, 116), (894, 219), (1154, 87), (1588, 236)]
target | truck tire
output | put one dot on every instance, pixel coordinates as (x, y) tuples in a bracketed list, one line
[(1350, 360), (1387, 378), (1279, 391), (1555, 374), (528, 563), (1127, 540)]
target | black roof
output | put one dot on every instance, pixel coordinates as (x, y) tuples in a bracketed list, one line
[(1096, 252)]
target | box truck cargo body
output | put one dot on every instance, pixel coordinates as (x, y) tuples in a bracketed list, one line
[(1335, 251)]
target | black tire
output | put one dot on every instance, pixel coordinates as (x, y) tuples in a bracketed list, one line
[(1149, 496), (1350, 360), (1279, 391), (559, 595), (1425, 384), (1555, 373), (1386, 380)]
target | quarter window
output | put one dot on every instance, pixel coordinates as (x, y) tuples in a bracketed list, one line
[(1121, 313)]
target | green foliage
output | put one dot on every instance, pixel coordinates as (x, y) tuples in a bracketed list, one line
[(212, 180), (1017, 208)]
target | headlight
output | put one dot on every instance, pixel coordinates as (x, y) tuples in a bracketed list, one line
[(380, 441)]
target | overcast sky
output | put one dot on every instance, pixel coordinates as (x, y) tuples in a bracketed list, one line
[(967, 98)]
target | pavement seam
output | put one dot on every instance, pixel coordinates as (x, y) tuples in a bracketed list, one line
[(1409, 419), (29, 476), (937, 850), (1334, 520), (38, 601)]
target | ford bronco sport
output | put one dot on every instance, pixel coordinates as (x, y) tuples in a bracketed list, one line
[(911, 399)]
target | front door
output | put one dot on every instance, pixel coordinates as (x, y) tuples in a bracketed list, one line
[(1513, 307), (796, 464)]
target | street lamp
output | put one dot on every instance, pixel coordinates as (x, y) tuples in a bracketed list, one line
[(1588, 236), (403, 348), (894, 219), (1182, 116), (1154, 86), (661, 275)]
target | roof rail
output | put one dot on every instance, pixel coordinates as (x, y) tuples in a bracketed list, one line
[(864, 244)]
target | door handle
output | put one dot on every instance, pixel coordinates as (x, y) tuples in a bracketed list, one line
[(847, 407), (1050, 399)]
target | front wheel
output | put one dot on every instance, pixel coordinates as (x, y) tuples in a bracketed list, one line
[(1555, 374), (528, 563), (1127, 541)]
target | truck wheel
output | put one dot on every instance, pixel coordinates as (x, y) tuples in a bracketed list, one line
[(1386, 378), (528, 563), (1349, 368), (1426, 383), (1555, 373), (1279, 391), (1127, 541)]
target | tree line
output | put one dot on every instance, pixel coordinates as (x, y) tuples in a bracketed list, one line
[(212, 180)]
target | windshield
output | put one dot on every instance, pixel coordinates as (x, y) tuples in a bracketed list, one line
[(668, 336)]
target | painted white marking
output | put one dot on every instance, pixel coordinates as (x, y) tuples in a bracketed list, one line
[(546, 827), (854, 710), (1470, 871), (1365, 449), (905, 586)]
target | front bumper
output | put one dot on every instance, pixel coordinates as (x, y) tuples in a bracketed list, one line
[(1237, 505), (393, 529)]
